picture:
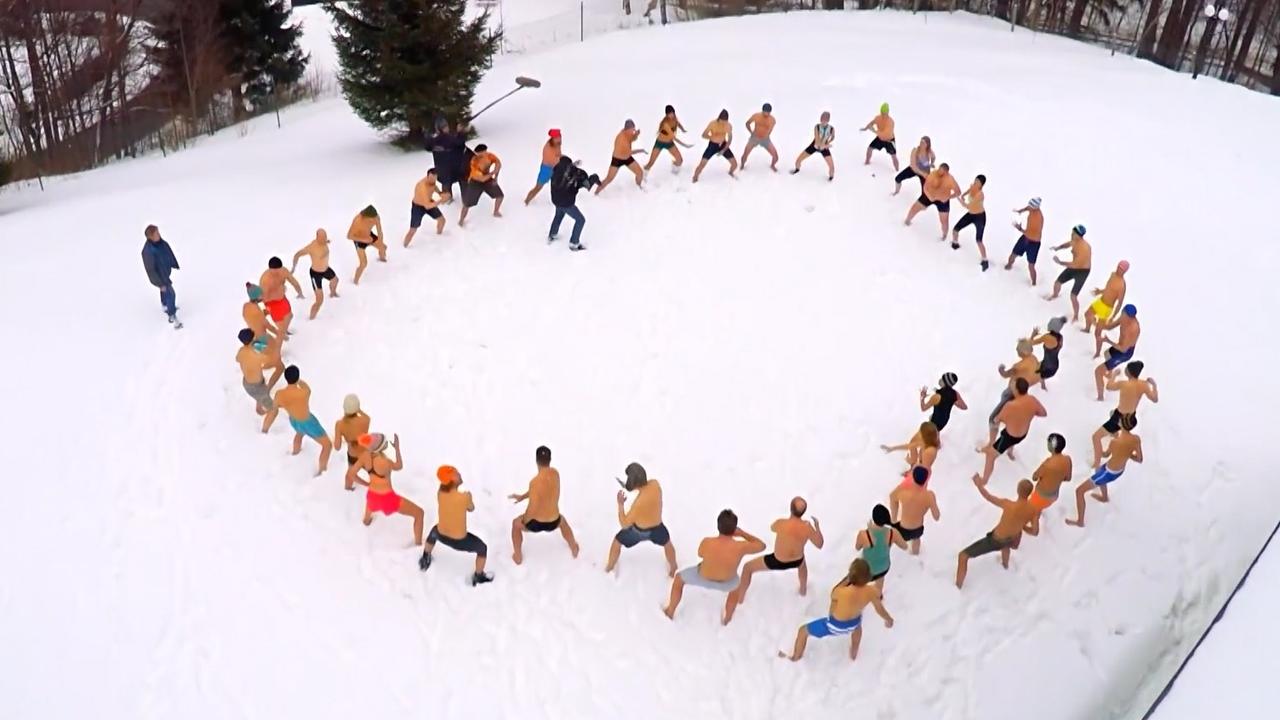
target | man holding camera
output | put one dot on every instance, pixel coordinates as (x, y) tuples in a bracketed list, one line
[(566, 180)]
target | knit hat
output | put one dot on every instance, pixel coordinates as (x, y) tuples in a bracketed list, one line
[(350, 404), (1131, 310), (448, 475), (373, 442), (920, 474), (948, 380), (553, 132), (1056, 324), (1079, 230), (255, 292), (884, 108), (1123, 266), (1034, 203)]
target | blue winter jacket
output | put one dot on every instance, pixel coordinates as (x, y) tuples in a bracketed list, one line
[(159, 261)]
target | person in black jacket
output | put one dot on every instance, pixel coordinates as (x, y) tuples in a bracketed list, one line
[(566, 180), (448, 151), (160, 262)]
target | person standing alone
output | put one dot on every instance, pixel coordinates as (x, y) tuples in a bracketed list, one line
[(160, 262)]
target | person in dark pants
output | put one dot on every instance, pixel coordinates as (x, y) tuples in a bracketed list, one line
[(160, 262), (566, 180), (448, 152)]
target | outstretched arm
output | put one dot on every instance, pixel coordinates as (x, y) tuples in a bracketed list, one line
[(998, 502), (296, 257)]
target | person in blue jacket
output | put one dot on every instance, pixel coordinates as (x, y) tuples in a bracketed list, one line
[(160, 262)]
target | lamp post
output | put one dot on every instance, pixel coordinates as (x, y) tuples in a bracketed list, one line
[(1213, 16)]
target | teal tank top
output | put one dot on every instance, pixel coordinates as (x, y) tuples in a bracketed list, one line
[(877, 553)]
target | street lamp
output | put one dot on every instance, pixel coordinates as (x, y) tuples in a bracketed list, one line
[(1213, 16)]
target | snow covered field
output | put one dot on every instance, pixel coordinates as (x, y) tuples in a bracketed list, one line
[(747, 341)]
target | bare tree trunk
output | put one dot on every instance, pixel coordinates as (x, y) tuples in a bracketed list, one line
[(1147, 40), (1077, 17)]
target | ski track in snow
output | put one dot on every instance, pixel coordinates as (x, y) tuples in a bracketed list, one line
[(745, 340)]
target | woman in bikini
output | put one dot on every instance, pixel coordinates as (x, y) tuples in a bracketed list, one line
[(380, 496)]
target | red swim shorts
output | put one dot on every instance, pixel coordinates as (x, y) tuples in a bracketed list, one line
[(279, 309), (387, 503)]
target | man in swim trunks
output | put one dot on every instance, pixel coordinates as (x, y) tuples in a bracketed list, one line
[(760, 127), (252, 363), (1076, 271), (295, 399), (976, 216), (353, 425), (667, 140), (791, 535), (624, 155), (482, 180), (1052, 344), (719, 136), (1122, 348), (884, 139), (366, 230), (381, 497), (318, 251), (426, 203), (1125, 446), (1015, 519), (273, 294), (824, 134), (942, 401), (876, 541), (451, 527), (1132, 390), (1029, 242), (721, 556), (550, 156), (643, 521), (844, 616), (1108, 301), (939, 189), (1016, 416), (908, 505), (1053, 471), (543, 511), (1027, 368)]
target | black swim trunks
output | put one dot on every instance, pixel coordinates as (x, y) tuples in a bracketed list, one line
[(630, 536), (1076, 276), (977, 220), (772, 562), (886, 145), (416, 212), (318, 278), (909, 534), (944, 206), (538, 526), (824, 152), (622, 162), (1028, 247), (1006, 441), (470, 543), (1112, 425), (714, 149)]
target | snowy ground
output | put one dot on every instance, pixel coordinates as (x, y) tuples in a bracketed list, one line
[(745, 340)]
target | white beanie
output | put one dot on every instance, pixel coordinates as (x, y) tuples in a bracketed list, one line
[(350, 405)]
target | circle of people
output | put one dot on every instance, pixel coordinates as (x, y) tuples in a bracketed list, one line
[(373, 457)]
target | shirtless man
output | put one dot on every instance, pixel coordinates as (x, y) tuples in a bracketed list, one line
[(1132, 390), (266, 338), (760, 125), (273, 294), (252, 363), (667, 140), (481, 180), (353, 425), (844, 616), (1055, 470), (791, 535), (1122, 348), (624, 155), (451, 527), (543, 511), (908, 505), (295, 398), (1016, 416), (884, 139), (550, 156), (318, 251), (1029, 242), (1125, 446), (366, 231), (643, 521), (976, 216), (721, 556), (1076, 271), (824, 134), (1109, 299), (719, 136), (381, 497), (1015, 519), (939, 188), (426, 203), (1027, 368)]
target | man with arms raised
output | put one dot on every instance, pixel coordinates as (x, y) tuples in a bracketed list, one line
[(791, 535), (1015, 519)]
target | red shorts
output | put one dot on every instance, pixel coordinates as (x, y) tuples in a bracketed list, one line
[(279, 309), (387, 503)]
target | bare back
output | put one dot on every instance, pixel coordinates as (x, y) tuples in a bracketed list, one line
[(791, 535)]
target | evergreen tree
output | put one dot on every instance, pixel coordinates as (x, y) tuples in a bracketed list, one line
[(262, 47), (405, 62)]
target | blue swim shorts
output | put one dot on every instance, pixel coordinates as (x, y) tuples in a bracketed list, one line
[(828, 626), (310, 427)]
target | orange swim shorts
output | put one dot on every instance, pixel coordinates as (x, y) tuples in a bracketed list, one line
[(279, 309), (1040, 502)]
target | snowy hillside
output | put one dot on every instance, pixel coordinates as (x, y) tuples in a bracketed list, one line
[(745, 340)]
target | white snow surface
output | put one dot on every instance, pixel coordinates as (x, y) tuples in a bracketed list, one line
[(746, 340)]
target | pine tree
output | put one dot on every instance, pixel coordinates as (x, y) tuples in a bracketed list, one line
[(406, 62), (262, 47)]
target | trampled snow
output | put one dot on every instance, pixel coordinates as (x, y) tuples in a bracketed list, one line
[(746, 340)]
